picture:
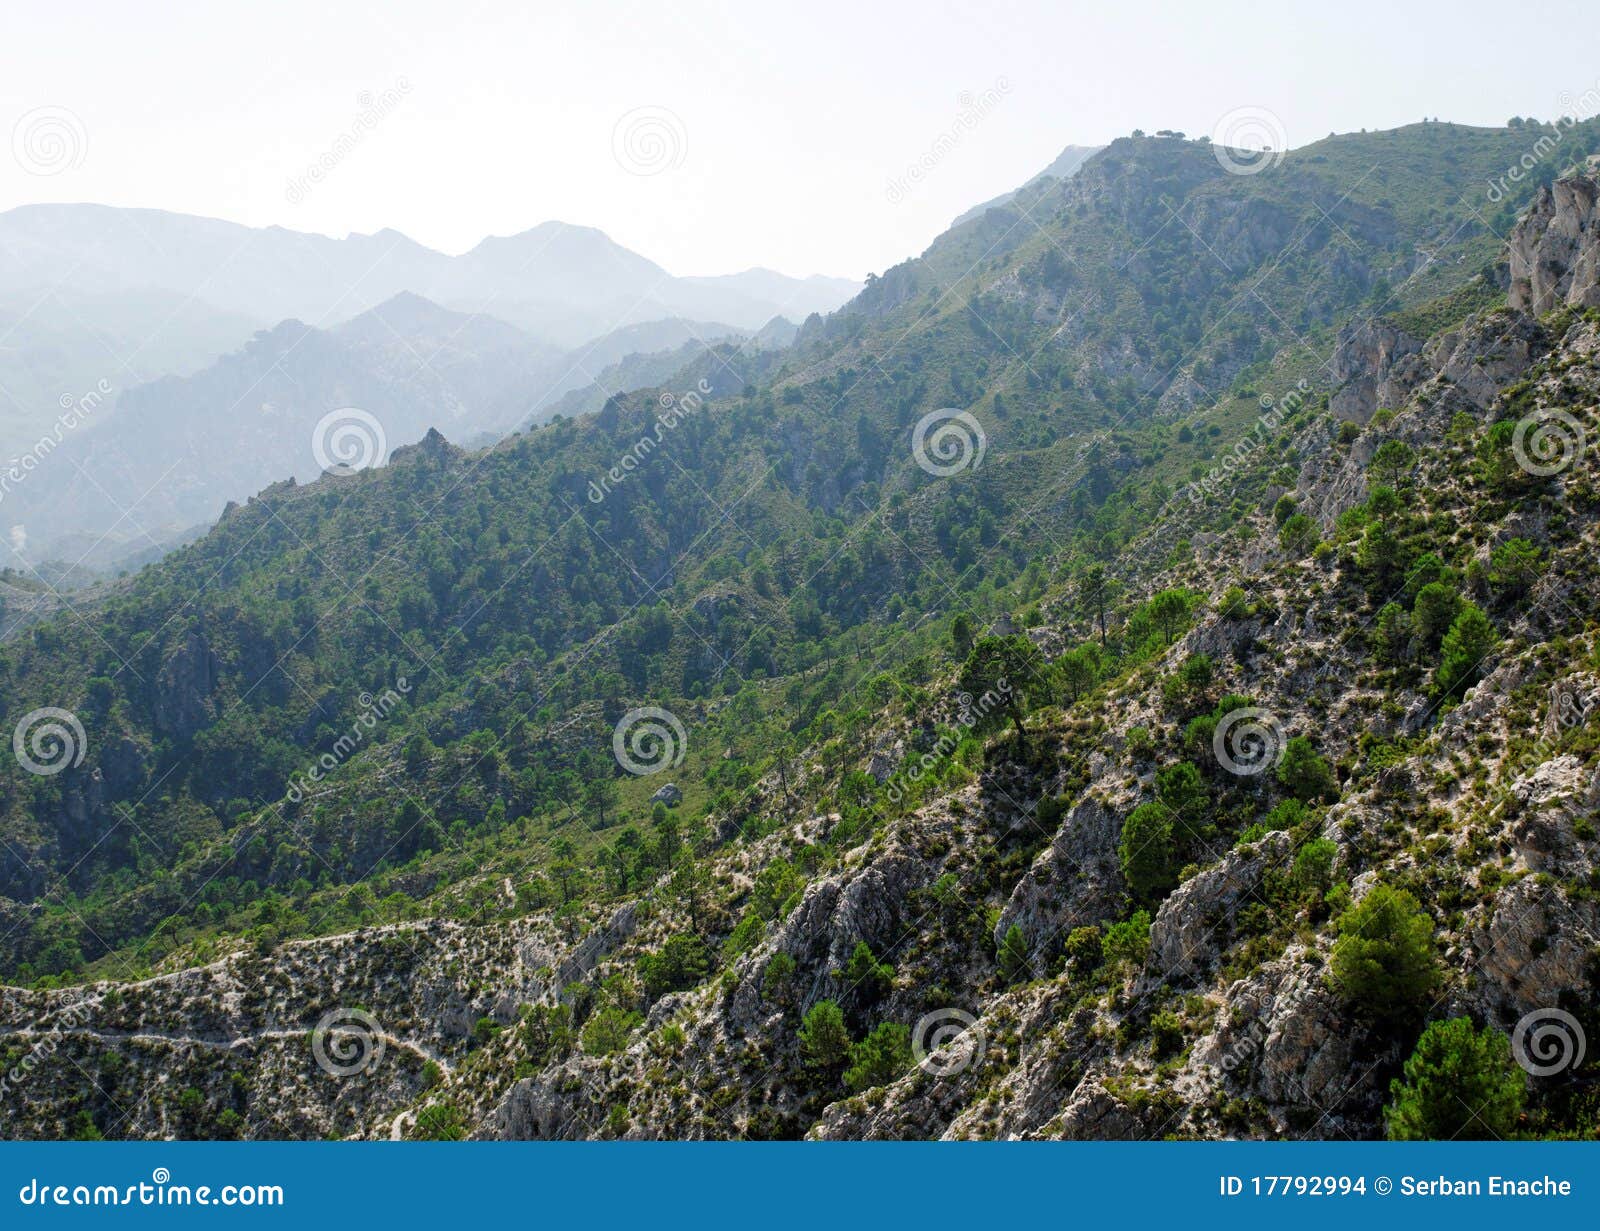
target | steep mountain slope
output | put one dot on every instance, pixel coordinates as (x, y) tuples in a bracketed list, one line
[(394, 700), (460, 565), (709, 353), (1064, 165)]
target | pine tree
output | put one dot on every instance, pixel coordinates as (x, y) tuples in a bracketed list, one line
[(1459, 1083)]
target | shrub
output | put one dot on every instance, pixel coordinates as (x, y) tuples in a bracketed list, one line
[(1305, 774), (1470, 640), (1181, 789), (1166, 1034), (1128, 943), (824, 1041), (1313, 866), (679, 964), (1012, 954), (1186, 689), (1459, 1083), (1298, 535), (1432, 612), (879, 1058), (1514, 566), (1148, 852), (1083, 949), (1383, 961), (777, 974), (866, 974)]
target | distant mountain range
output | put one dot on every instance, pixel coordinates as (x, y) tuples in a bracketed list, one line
[(94, 292), (168, 456), (564, 284)]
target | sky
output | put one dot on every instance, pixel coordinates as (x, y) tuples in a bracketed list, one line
[(812, 137)]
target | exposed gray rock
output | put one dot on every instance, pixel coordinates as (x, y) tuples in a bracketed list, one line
[(1376, 365), (1074, 882), (670, 795), (1193, 924), (184, 688), (1555, 248), (1534, 946)]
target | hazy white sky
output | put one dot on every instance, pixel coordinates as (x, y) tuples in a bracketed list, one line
[(784, 124)]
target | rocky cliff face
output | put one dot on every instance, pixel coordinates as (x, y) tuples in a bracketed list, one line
[(1376, 366), (1555, 249)]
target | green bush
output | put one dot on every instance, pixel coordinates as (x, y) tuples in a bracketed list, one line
[(1305, 774), (1166, 1034), (1469, 642), (1383, 961), (824, 1041), (1313, 866), (1128, 943), (1012, 954), (865, 974), (1458, 1083), (880, 1058), (1298, 535), (1148, 851), (678, 965)]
